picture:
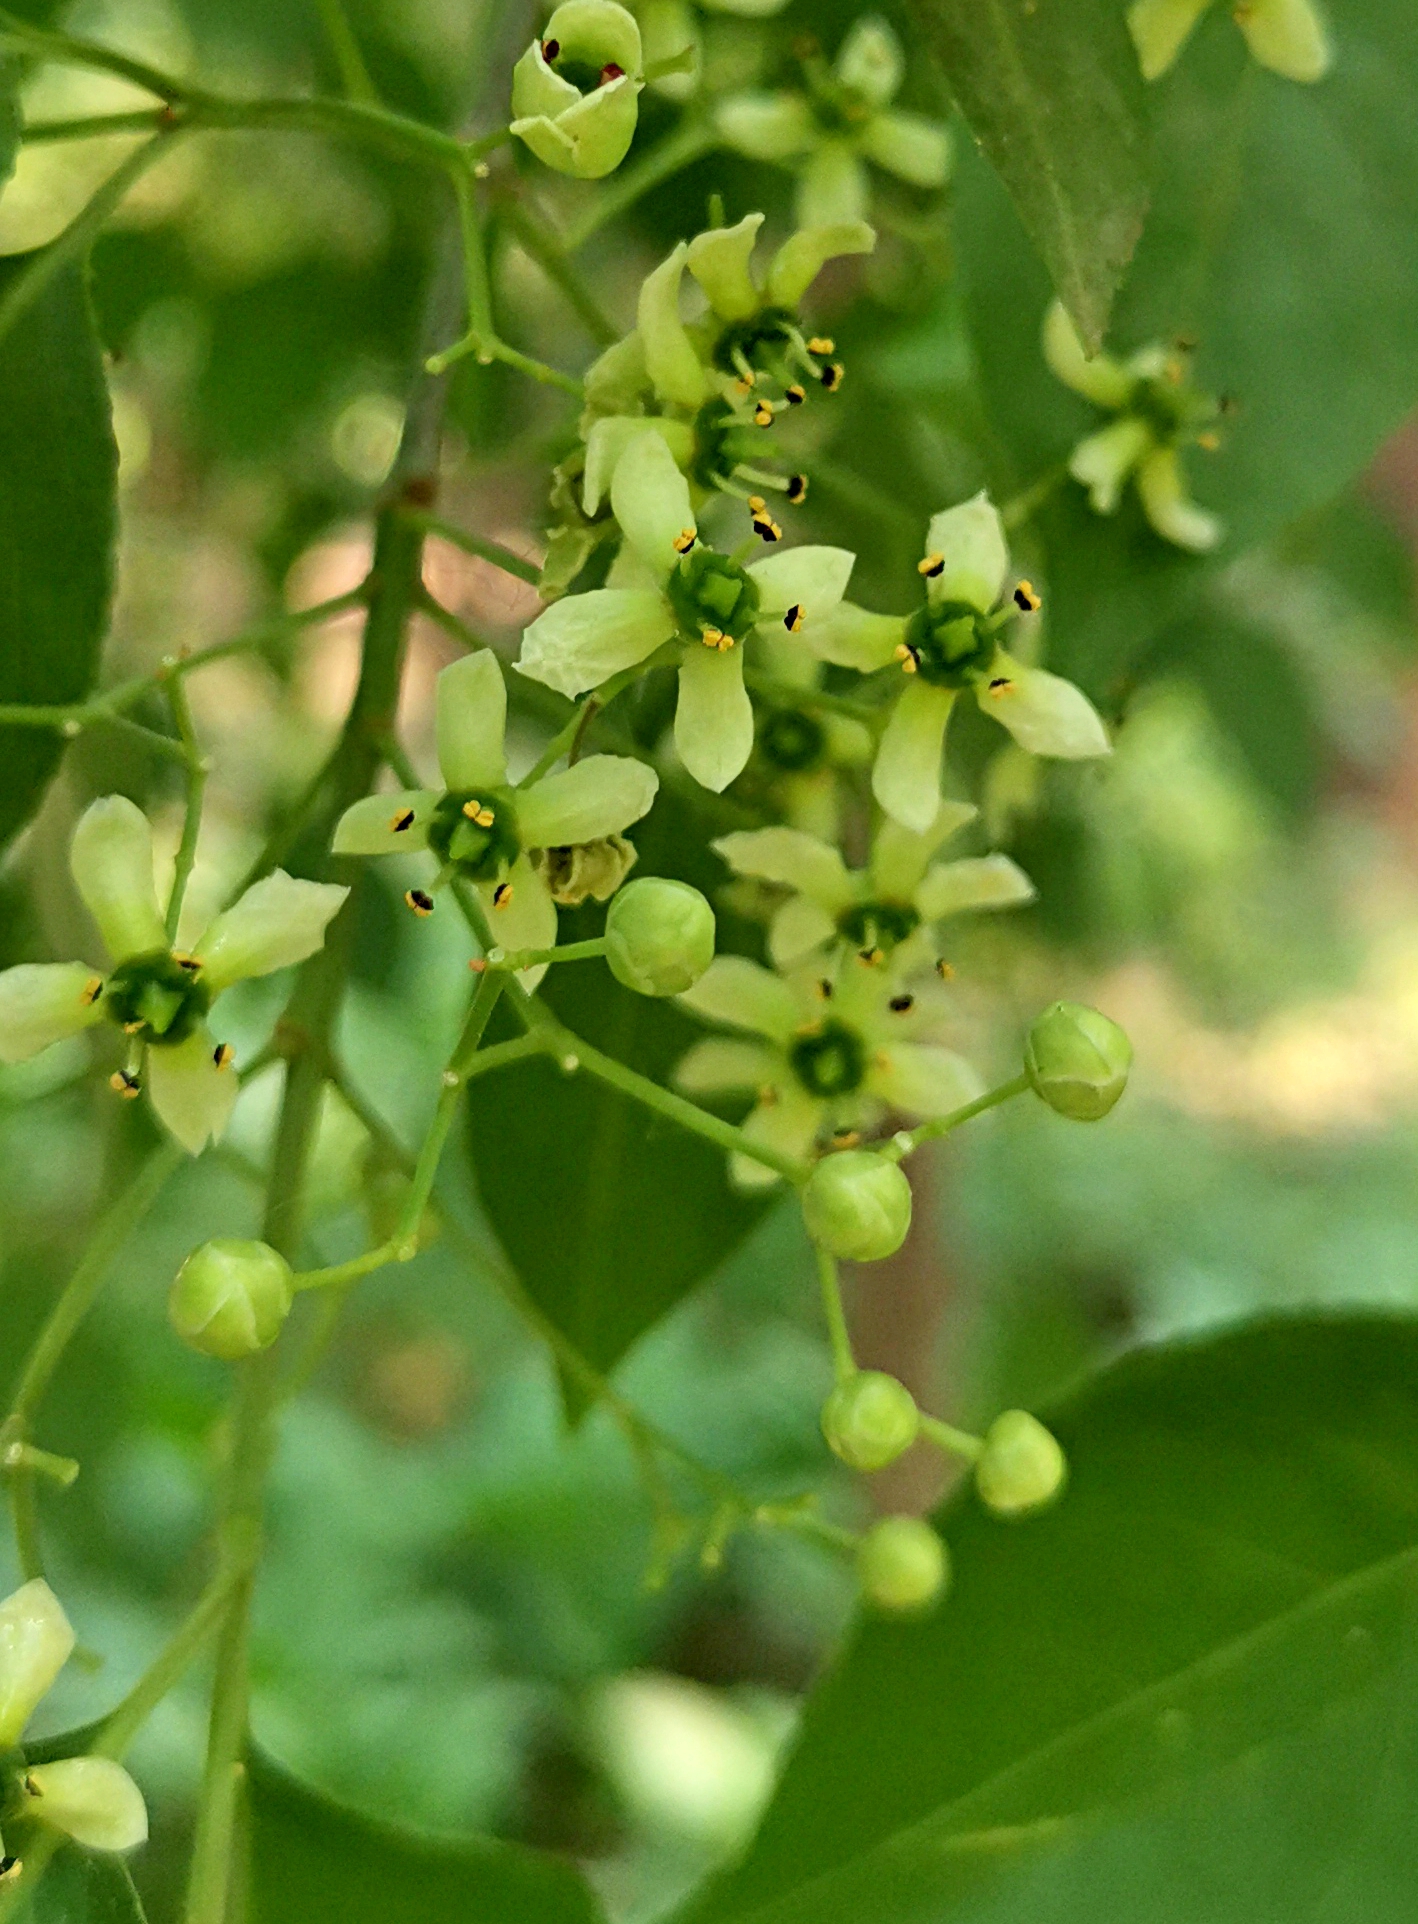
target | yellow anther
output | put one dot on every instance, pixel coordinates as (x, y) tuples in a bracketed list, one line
[(480, 813), (944, 970), (746, 383), (122, 1084), (846, 1138), (724, 644), (767, 527), (870, 958), (797, 488), (419, 901), (823, 988), (933, 564), (192, 963), (711, 637), (1001, 685), (1026, 599), (398, 823), (502, 895), (794, 618), (902, 652), (833, 376), (684, 540), (763, 414), (910, 664), (796, 394), (223, 1055), (821, 344), (132, 1028), (756, 504), (92, 990)]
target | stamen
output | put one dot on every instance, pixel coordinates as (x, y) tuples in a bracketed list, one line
[(10, 1868), (821, 344), (767, 527), (797, 488), (911, 663), (123, 1084), (846, 1138), (419, 901), (748, 375), (763, 414), (756, 504), (944, 970), (824, 989), (224, 1055), (1025, 598), (711, 637), (870, 957), (832, 377), (502, 895), (192, 963), (133, 1028), (725, 643), (1001, 685), (32, 1787), (933, 565), (611, 72), (398, 823), (480, 813), (794, 618), (92, 990), (795, 395), (900, 1004), (684, 540), (550, 49)]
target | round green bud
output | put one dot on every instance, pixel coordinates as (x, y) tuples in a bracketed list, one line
[(230, 1298), (903, 1564), (1021, 1467), (1077, 1060), (659, 936), (870, 1420), (858, 1204)]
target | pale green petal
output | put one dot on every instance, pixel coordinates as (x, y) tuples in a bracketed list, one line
[(111, 858), (721, 1063), (978, 882), (669, 28), (853, 637), (597, 797), (650, 500), (42, 1002), (922, 1079), (470, 699), (870, 61), (719, 261), (91, 1799), (1102, 380), (616, 381), (800, 927), (278, 922), (899, 855), (766, 126), (813, 580), (744, 995), (1044, 713), (787, 856), (910, 146), (35, 1643), (971, 541), (833, 187), (1159, 30), (1104, 460), (1162, 489), (538, 91), (192, 1091), (804, 254), (596, 32), (370, 826), (522, 915), (609, 437), (583, 640), (714, 716), (1288, 36), (671, 362), (601, 128), (789, 1124), (551, 146), (906, 778)]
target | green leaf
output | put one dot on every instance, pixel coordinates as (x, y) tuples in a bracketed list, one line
[(317, 1862), (81, 1889), (1199, 1672), (58, 511), (1052, 93)]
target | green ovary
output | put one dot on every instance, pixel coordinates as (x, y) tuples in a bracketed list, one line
[(157, 997), (829, 1062), (481, 850), (708, 591), (950, 645), (878, 925)]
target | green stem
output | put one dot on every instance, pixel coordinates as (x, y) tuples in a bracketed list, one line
[(167, 1668), (354, 75), (450, 623), (906, 1140), (146, 120), (948, 1438), (192, 813), (1025, 505), (567, 740), (513, 961), (27, 1456), (547, 251), (479, 545), (69, 50), (691, 140), (844, 1363)]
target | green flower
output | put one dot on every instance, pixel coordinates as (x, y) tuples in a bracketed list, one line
[(888, 909), (1288, 36), (800, 746), (159, 996), (488, 833), (827, 135), (832, 1053), (91, 1799), (951, 643), (668, 589), (574, 91), (1156, 412)]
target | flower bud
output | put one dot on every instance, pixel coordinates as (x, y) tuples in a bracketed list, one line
[(230, 1298), (870, 1420), (1077, 1060), (91, 1799), (35, 1642), (857, 1204), (659, 935), (574, 89), (1021, 1467), (903, 1564)]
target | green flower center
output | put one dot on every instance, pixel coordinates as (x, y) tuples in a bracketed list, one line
[(1169, 408), (760, 340), (476, 833), (791, 740), (951, 644), (712, 595), (829, 1062), (157, 997), (878, 925)]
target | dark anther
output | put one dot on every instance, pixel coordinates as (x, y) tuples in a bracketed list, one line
[(419, 901), (223, 1055), (831, 376), (403, 821), (899, 1004), (550, 49), (611, 72), (797, 488), (796, 394)]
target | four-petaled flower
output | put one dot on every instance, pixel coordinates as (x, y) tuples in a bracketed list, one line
[(1288, 36), (834, 1051), (159, 996), (669, 588), (952, 642), (483, 830), (1156, 411), (574, 91), (91, 1799), (844, 120)]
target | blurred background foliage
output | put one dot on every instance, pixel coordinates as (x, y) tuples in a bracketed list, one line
[(454, 1624)]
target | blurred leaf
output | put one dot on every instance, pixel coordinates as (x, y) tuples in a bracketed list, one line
[(313, 1860), (1217, 1629), (57, 520), (1054, 97), (80, 1889)]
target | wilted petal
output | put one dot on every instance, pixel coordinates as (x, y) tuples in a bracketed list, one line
[(971, 542), (192, 1089), (671, 362), (833, 187), (813, 580), (612, 435), (278, 922), (788, 1124), (583, 640), (766, 126), (910, 146), (91, 1799), (1288, 36), (42, 1002), (1104, 460), (906, 778), (471, 705), (922, 1079), (1163, 492), (521, 915), (800, 927), (650, 500), (721, 1063), (591, 799), (1102, 380), (870, 61), (899, 855), (714, 716), (788, 856), (853, 637), (372, 825), (719, 261), (111, 858), (743, 995), (35, 1642), (1044, 713), (978, 882)]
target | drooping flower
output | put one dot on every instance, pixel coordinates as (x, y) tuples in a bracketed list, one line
[(954, 642), (670, 591), (574, 91), (827, 135), (1156, 413), (91, 1799), (159, 996), (1288, 36), (493, 835), (886, 911)]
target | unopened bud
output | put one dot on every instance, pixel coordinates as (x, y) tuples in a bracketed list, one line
[(230, 1298), (870, 1420), (857, 1204), (659, 936), (1021, 1467), (1077, 1060), (903, 1564), (35, 1642)]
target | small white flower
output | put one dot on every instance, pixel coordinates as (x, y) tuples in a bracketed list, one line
[(1288, 36)]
